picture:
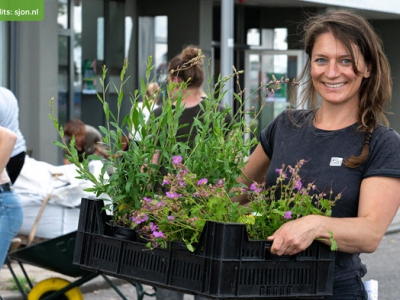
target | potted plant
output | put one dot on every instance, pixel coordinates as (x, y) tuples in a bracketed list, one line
[(215, 161), (200, 183)]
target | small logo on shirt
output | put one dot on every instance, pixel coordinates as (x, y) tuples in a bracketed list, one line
[(336, 161)]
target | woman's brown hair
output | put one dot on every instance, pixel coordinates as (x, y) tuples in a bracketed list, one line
[(375, 92), (188, 67), (76, 127)]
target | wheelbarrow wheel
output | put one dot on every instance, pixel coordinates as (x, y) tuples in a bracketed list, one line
[(48, 286)]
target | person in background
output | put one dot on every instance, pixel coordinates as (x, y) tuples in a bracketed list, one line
[(150, 100), (152, 94), (11, 212), (346, 142), (149, 103), (192, 97), (87, 139), (9, 118)]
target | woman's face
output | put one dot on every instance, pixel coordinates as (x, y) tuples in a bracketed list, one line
[(332, 73)]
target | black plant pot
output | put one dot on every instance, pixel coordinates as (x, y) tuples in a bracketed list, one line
[(179, 246), (120, 232)]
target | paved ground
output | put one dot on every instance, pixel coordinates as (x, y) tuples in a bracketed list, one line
[(383, 266)]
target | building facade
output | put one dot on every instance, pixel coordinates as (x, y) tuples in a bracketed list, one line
[(61, 57)]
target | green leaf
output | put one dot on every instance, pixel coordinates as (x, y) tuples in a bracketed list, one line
[(334, 246)]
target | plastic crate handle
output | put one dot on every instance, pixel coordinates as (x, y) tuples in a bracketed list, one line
[(268, 245)]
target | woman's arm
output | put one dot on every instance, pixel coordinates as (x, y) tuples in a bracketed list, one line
[(379, 202), (7, 142), (254, 171)]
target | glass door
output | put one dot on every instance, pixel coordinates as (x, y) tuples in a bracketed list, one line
[(261, 66)]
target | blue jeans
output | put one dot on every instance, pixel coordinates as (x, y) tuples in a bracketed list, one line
[(351, 289), (11, 216)]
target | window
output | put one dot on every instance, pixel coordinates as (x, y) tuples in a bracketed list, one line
[(275, 39), (69, 59), (153, 40), (253, 37)]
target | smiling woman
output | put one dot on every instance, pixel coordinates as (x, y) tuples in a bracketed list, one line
[(346, 142), (333, 74)]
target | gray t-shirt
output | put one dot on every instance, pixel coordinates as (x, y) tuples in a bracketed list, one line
[(289, 139)]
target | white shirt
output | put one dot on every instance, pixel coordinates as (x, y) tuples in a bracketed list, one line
[(146, 115), (9, 118)]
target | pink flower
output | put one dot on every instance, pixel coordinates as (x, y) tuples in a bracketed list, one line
[(158, 234), (139, 219), (255, 189), (220, 183), (176, 160), (298, 185), (153, 227), (202, 181), (173, 195), (287, 215)]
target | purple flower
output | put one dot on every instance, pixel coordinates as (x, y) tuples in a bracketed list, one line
[(255, 189), (220, 183), (173, 195), (176, 160), (202, 181), (147, 199), (287, 215), (298, 185), (139, 219), (171, 218), (158, 234), (166, 181), (153, 227)]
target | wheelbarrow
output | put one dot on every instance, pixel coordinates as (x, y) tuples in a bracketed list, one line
[(57, 255)]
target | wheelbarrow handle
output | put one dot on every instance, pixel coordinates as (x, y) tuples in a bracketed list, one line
[(42, 207)]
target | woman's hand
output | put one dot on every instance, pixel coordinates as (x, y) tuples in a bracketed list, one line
[(295, 236), (379, 202)]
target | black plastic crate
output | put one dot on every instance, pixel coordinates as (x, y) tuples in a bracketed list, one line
[(225, 265)]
